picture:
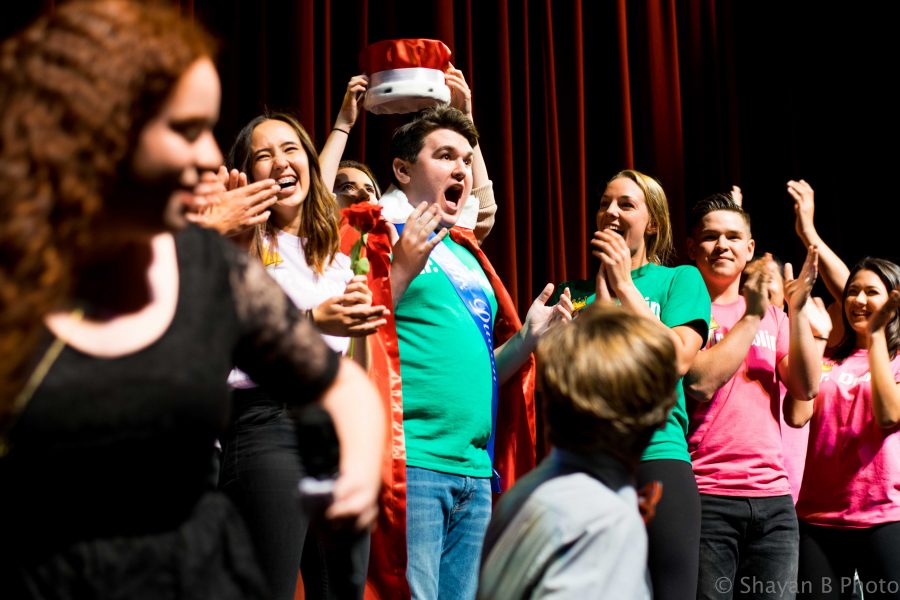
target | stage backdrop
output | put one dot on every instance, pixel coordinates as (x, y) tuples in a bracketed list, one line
[(697, 93)]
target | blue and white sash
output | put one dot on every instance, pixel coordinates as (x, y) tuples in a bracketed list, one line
[(470, 291)]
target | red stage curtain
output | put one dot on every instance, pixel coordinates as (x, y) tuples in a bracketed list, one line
[(565, 92), (699, 93)]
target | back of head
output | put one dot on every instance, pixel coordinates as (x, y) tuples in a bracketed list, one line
[(660, 246), (608, 380), (409, 139), (713, 203), (77, 88)]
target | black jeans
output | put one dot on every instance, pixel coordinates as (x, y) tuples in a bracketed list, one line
[(748, 548), (829, 556), (261, 467), (674, 533)]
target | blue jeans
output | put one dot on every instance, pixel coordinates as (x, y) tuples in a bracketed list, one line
[(748, 547), (446, 519)]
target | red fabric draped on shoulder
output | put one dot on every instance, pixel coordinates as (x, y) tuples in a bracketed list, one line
[(387, 558), (515, 447), (515, 444)]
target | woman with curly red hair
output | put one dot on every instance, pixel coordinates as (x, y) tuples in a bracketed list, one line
[(118, 333)]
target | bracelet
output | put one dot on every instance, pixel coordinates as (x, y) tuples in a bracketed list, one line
[(344, 131), (819, 337)]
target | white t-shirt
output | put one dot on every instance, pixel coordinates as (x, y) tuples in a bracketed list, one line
[(305, 287)]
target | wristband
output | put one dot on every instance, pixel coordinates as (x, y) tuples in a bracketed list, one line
[(344, 131), (819, 337)]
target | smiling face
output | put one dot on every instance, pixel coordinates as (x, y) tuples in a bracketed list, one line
[(352, 186), (441, 174), (865, 295), (172, 150), (276, 153), (721, 246), (623, 209)]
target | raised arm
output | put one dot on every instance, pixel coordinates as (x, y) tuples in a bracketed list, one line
[(885, 390), (230, 205), (832, 269), (412, 250), (797, 412), (330, 156), (614, 279), (713, 367), (801, 368), (482, 187), (540, 319)]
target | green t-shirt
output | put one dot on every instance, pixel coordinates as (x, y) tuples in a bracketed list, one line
[(677, 296), (446, 372)]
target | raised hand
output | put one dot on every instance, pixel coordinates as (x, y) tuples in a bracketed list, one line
[(818, 317), (541, 318), (804, 208), (232, 179), (756, 288), (797, 291), (737, 195), (207, 193), (886, 314), (356, 89), (412, 250), (460, 94), (615, 259), (601, 288), (239, 208)]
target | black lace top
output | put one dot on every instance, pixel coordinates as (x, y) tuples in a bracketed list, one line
[(107, 480)]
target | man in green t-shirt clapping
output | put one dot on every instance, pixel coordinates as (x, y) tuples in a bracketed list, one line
[(447, 299)]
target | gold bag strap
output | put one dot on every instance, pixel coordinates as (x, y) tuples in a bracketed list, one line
[(34, 381)]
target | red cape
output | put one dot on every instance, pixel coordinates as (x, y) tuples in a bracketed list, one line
[(515, 444)]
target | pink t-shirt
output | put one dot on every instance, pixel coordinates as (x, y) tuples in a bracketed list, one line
[(852, 474), (794, 441), (735, 438)]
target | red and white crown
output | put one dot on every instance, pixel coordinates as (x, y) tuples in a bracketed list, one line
[(405, 75)]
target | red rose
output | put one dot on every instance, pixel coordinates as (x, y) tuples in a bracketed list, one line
[(362, 215)]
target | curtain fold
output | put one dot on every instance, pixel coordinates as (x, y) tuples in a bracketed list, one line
[(565, 94), (701, 94)]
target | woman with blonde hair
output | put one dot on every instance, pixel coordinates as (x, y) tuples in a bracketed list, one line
[(633, 242)]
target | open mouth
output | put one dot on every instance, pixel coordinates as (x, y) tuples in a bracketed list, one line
[(453, 195), (288, 183), (615, 229)]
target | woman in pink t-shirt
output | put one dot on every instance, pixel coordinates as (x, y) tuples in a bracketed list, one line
[(849, 504)]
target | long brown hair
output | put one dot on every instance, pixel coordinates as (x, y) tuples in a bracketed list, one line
[(889, 274), (319, 212), (77, 88)]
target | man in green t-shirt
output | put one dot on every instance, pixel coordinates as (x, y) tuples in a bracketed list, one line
[(446, 298)]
